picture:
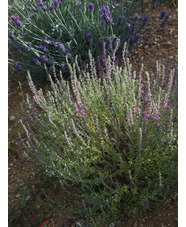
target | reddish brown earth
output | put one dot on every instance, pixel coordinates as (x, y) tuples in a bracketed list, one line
[(22, 172)]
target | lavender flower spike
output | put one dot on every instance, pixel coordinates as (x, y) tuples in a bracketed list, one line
[(91, 7), (162, 14)]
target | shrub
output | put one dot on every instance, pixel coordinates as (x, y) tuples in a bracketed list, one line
[(113, 139), (46, 31)]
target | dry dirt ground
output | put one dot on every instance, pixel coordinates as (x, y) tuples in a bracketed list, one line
[(27, 209)]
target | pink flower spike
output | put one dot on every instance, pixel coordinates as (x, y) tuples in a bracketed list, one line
[(133, 109), (154, 118), (147, 138), (86, 108), (83, 113), (169, 107), (78, 110), (152, 101), (142, 91), (158, 118), (160, 114)]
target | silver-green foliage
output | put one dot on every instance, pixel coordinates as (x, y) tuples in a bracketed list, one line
[(114, 137)]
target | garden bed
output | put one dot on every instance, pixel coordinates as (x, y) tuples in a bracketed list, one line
[(161, 46)]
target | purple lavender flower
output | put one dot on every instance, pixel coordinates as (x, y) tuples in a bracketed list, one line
[(120, 19), (166, 18), (67, 52), (44, 38), (10, 36), (25, 34), (145, 19), (162, 25), (56, 3), (63, 66), (154, 4), (117, 41), (42, 5), (28, 20), (43, 48), (52, 42), (89, 36), (108, 43), (106, 15), (45, 58), (61, 46), (17, 66), (136, 38), (162, 14), (37, 62), (91, 7), (130, 41), (136, 17), (17, 21)]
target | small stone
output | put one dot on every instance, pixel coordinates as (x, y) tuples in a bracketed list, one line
[(12, 118), (11, 164), (28, 197), (168, 43), (171, 32), (135, 224), (78, 224), (145, 47), (112, 224), (171, 57)]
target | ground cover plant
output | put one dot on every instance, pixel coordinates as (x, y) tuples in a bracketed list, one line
[(44, 32), (113, 138)]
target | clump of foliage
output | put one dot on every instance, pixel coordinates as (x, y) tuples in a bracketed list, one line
[(110, 140), (45, 32)]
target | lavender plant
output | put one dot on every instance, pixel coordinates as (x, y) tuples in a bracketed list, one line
[(113, 139), (45, 32)]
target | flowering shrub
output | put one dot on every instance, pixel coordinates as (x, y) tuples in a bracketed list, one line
[(113, 139), (45, 32)]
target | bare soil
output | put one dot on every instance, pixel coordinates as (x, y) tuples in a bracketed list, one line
[(22, 172)]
